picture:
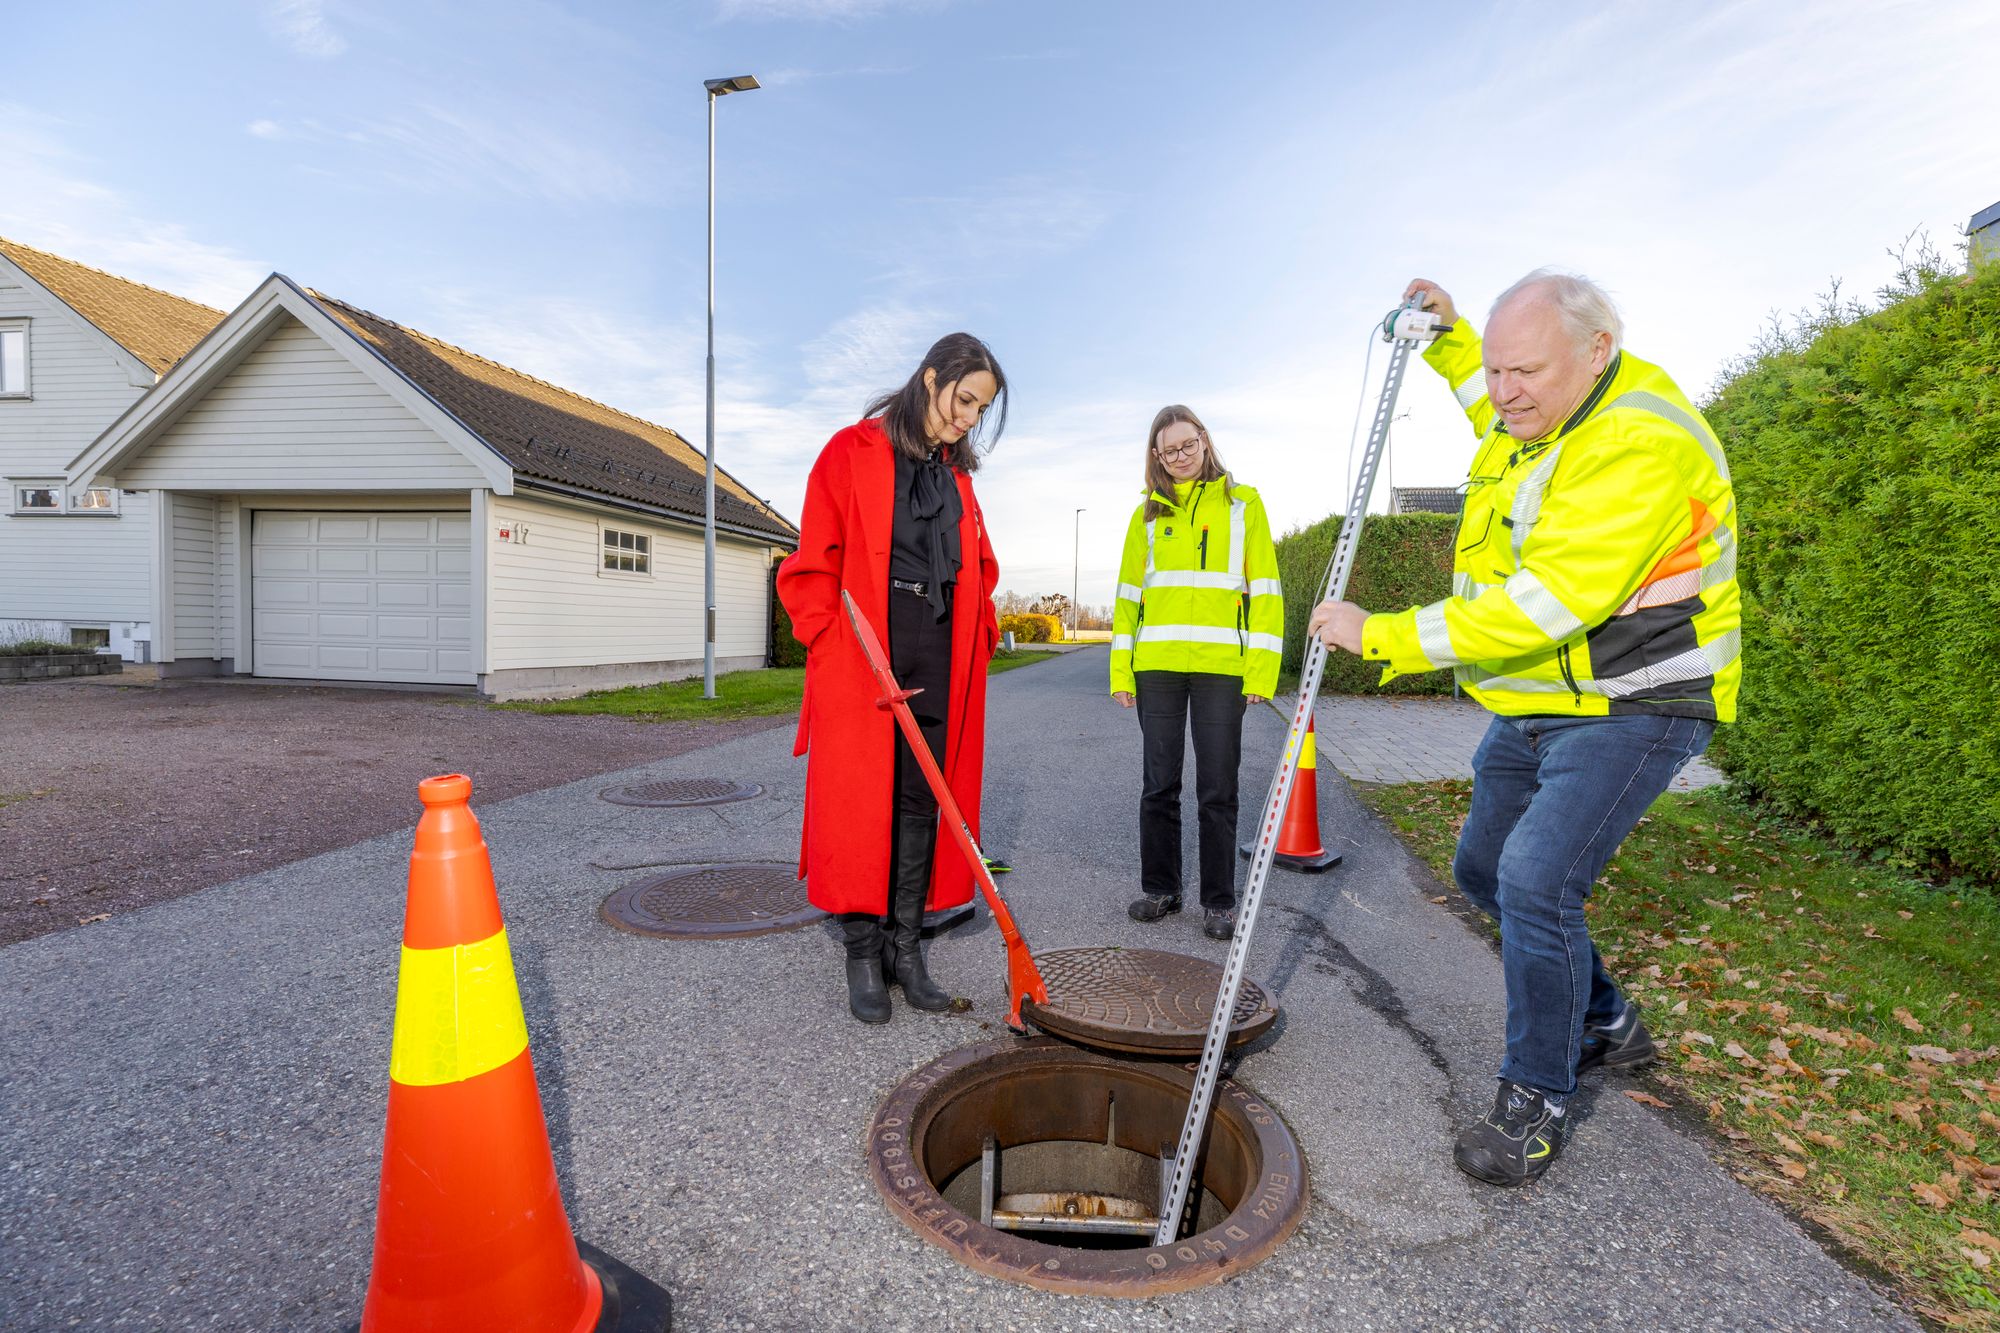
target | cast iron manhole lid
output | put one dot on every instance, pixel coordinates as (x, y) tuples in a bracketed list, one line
[(714, 902), (682, 792), (1144, 1001)]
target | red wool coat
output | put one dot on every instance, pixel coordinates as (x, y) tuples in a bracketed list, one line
[(848, 742)]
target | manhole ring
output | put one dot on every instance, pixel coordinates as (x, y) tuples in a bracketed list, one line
[(712, 902), (1042, 1091), (681, 792), (1144, 1001)]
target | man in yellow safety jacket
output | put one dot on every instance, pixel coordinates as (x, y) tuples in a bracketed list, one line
[(1594, 609), (1197, 633)]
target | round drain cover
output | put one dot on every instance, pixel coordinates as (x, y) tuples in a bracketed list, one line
[(682, 792), (715, 902), (1144, 1001)]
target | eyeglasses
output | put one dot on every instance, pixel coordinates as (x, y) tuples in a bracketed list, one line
[(1184, 451)]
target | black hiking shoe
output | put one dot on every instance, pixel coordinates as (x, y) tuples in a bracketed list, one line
[(1219, 923), (1516, 1141), (1154, 906), (1624, 1044)]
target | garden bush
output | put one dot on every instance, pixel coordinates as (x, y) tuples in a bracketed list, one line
[(1863, 445), (1404, 560), (37, 648), (1028, 627)]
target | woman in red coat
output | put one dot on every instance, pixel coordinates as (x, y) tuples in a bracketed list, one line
[(890, 518)]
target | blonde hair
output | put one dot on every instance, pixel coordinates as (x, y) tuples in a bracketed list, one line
[(1584, 308), (1158, 479)]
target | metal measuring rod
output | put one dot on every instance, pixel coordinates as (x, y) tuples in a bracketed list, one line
[(1405, 327)]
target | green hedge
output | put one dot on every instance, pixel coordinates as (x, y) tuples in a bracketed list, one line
[(1404, 560), (1866, 455), (786, 650)]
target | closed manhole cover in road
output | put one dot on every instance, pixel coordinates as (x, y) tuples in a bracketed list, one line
[(1145, 1001), (715, 902), (682, 791)]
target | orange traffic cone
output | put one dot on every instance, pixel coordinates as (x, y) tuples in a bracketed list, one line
[(1299, 847), (470, 1231)]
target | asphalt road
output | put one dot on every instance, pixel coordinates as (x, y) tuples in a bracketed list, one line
[(192, 1096)]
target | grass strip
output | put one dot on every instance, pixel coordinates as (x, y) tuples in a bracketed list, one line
[(1835, 1021)]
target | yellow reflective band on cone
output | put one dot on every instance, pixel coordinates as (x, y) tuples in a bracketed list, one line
[(1306, 758), (458, 1013)]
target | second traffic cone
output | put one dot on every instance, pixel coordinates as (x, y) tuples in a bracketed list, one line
[(1299, 847), (470, 1231)]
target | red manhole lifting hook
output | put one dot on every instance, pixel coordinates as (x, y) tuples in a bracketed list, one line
[(1024, 979)]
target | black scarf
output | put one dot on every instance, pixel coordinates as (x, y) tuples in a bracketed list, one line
[(935, 504)]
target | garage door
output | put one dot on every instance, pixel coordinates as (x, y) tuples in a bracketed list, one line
[(362, 597)]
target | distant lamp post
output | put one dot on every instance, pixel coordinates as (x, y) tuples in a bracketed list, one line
[(1076, 557), (742, 83)]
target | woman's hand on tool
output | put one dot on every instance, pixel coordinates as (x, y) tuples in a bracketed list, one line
[(1124, 699), (1435, 298), (1338, 625)]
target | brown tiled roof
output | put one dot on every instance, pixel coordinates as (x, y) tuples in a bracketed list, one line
[(549, 433), (157, 327)]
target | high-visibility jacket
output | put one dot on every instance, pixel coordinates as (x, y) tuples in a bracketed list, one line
[(1596, 567), (1198, 590)]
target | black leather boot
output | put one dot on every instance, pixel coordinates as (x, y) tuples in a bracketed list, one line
[(916, 839), (867, 996)]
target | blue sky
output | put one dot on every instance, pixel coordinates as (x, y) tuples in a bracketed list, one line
[(1134, 203)]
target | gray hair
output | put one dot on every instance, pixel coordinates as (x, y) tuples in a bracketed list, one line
[(1585, 308)]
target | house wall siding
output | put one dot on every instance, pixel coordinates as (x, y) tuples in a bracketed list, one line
[(548, 605), (194, 578), (83, 569), (294, 415)]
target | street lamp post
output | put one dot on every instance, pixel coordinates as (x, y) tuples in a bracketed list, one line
[(742, 83), (1075, 567)]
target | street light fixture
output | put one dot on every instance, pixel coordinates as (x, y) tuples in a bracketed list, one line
[(742, 83), (1076, 556)]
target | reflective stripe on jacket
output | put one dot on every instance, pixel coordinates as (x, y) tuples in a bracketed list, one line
[(1595, 569), (1198, 590)]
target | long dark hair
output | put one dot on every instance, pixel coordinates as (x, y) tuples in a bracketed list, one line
[(1159, 481), (905, 411)]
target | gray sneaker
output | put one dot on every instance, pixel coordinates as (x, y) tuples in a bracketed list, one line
[(1154, 906), (1623, 1044), (1219, 923)]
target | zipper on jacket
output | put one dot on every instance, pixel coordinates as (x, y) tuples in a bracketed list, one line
[(1242, 623), (1562, 660), (1204, 546)]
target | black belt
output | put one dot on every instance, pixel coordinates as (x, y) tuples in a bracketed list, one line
[(919, 588)]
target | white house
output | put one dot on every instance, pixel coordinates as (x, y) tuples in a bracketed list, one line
[(341, 498), (77, 347)]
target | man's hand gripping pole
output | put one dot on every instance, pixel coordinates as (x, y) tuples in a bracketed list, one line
[(1024, 979)]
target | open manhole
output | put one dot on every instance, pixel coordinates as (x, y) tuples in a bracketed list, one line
[(1145, 1001), (676, 792), (712, 902), (1061, 1149)]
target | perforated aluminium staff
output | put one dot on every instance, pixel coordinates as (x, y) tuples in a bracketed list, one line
[(1403, 328)]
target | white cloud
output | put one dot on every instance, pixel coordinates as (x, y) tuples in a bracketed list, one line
[(301, 25), (265, 129), (52, 204)]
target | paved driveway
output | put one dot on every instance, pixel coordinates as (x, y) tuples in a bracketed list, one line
[(114, 796), (194, 1092)]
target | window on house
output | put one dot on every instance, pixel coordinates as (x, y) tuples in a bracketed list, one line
[(38, 497), (85, 636), (627, 552), (14, 359), (93, 500)]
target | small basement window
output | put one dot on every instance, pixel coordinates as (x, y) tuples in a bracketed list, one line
[(627, 552), (87, 636), (38, 497), (13, 358)]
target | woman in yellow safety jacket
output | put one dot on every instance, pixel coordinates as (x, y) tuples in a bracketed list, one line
[(1197, 634)]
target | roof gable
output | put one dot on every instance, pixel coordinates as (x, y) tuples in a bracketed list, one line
[(549, 433), (157, 327)]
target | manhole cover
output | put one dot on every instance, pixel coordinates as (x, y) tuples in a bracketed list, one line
[(682, 792), (717, 902), (1144, 1001)]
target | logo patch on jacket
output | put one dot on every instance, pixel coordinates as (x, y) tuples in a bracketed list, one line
[(1170, 529)]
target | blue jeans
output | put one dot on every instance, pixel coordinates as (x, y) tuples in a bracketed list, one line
[(1552, 797)]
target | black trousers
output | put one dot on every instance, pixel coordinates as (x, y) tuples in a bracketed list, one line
[(1170, 702), (920, 655)]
